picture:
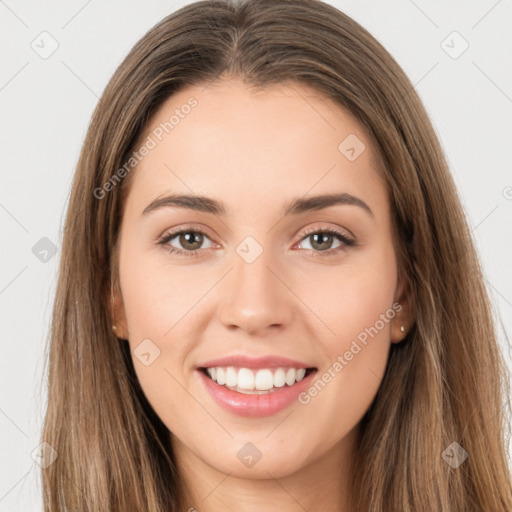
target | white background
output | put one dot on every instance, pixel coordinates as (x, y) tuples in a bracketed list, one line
[(47, 103)]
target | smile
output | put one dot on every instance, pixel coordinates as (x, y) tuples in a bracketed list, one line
[(236, 389), (261, 381)]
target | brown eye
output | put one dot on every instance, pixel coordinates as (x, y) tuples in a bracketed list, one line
[(321, 241), (191, 240)]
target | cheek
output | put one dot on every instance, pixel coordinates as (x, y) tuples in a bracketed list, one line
[(352, 301), (156, 313), (363, 310), (156, 302), (358, 308), (157, 295)]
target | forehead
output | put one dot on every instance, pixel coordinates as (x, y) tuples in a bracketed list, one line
[(248, 146)]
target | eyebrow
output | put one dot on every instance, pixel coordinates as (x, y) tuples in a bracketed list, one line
[(296, 206)]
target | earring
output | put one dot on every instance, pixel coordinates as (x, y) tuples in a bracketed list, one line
[(114, 328), (402, 328)]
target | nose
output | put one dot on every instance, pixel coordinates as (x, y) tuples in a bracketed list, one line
[(257, 298)]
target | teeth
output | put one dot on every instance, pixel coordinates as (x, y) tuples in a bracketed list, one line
[(279, 378), (245, 379), (264, 379), (290, 376), (231, 378), (221, 376)]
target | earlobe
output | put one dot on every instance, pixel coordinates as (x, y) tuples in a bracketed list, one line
[(403, 319), (398, 331)]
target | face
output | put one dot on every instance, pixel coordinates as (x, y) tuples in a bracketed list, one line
[(251, 278)]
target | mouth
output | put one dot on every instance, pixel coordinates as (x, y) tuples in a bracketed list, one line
[(261, 381)]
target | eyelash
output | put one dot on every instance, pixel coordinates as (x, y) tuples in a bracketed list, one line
[(346, 241)]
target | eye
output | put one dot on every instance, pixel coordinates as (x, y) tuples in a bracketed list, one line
[(191, 239), (321, 240)]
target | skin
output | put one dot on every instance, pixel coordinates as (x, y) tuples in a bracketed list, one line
[(255, 151)]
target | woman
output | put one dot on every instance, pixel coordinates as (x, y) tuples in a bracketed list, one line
[(326, 342)]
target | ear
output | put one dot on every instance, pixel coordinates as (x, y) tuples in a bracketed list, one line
[(117, 313), (404, 316)]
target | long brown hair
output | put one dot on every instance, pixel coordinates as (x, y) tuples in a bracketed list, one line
[(445, 383)]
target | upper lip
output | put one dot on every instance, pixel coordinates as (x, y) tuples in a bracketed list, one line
[(242, 361)]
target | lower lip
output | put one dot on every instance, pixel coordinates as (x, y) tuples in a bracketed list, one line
[(266, 404)]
